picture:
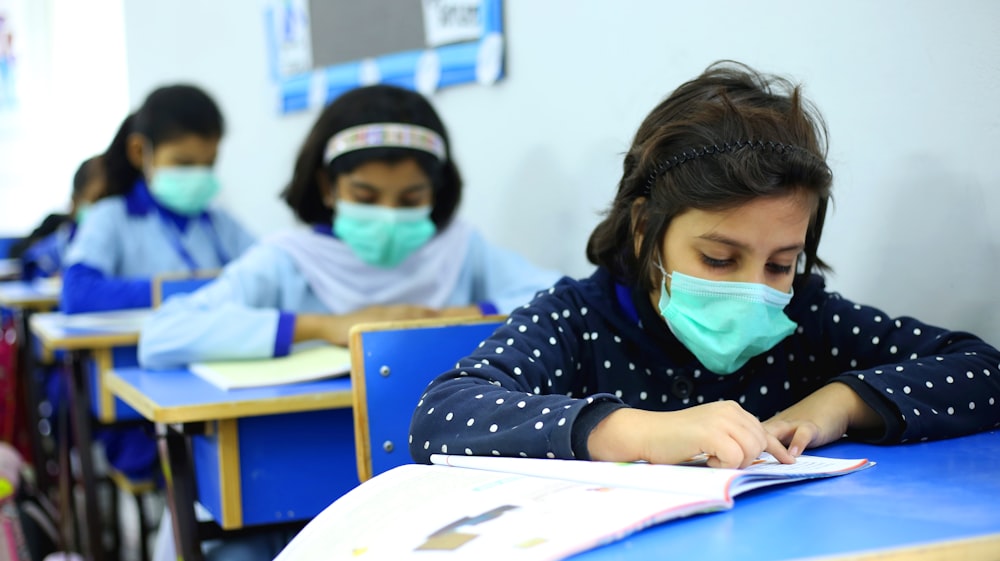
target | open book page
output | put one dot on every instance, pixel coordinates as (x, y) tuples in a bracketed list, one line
[(50, 286), (118, 321), (438, 513), (701, 481), (304, 363), (10, 268), (768, 471)]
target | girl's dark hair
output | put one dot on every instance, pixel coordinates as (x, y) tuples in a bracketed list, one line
[(729, 136), (167, 113), (90, 168), (371, 104)]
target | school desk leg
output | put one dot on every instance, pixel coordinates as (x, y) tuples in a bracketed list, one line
[(69, 529), (79, 402), (178, 473)]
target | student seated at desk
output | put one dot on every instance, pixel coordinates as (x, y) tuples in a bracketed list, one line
[(706, 314), (42, 255), (42, 252), (155, 216), (376, 185)]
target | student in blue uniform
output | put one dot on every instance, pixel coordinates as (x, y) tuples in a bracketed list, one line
[(156, 216), (706, 314), (376, 185), (42, 252)]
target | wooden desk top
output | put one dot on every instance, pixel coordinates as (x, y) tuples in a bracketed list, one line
[(178, 396), (43, 295), (58, 331), (921, 502)]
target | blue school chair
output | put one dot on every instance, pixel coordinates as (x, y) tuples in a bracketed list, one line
[(165, 286), (391, 365)]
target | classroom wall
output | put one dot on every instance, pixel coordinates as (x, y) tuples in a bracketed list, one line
[(907, 88), (71, 93)]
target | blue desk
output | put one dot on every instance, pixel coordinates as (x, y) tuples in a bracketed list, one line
[(97, 342), (935, 500), (10, 269), (38, 295), (255, 456)]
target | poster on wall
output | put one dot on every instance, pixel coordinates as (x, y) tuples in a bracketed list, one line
[(322, 48), (8, 66)]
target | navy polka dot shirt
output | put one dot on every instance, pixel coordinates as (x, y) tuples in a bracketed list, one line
[(585, 348)]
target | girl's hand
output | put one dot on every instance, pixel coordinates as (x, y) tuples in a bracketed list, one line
[(335, 329), (822, 417), (460, 312), (723, 431)]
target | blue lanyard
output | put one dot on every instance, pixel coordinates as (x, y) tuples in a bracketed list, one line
[(177, 242), (625, 300)]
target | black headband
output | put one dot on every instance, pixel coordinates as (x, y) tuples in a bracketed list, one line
[(678, 159)]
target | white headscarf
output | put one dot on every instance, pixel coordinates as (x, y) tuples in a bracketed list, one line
[(344, 283)]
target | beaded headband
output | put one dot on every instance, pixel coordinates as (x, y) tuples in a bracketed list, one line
[(377, 135), (686, 156)]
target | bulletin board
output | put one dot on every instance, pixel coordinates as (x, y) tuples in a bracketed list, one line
[(322, 48)]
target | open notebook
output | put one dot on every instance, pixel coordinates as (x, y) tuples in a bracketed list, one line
[(523, 509), (304, 363)]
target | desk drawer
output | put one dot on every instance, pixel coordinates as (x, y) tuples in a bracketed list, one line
[(275, 468)]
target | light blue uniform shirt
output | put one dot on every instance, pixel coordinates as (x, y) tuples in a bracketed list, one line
[(248, 312), (128, 239)]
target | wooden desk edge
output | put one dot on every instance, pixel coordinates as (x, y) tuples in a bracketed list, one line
[(40, 304), (362, 443), (393, 325), (130, 395), (228, 410), (87, 342), (52, 331), (97, 340), (973, 548)]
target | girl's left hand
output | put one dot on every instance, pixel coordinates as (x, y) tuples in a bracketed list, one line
[(460, 312), (822, 417)]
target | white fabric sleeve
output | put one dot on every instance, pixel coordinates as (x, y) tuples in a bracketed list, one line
[(236, 316)]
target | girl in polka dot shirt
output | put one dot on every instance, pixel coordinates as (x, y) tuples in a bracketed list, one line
[(706, 314)]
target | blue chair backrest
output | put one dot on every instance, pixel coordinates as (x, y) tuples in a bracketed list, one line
[(109, 408), (391, 365), (167, 286)]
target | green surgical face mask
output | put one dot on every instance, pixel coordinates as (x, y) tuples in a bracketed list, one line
[(382, 236), (724, 324), (81, 213), (185, 190)]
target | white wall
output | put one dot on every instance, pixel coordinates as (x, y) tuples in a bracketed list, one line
[(72, 93), (908, 88)]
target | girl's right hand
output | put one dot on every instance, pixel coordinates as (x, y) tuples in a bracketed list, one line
[(335, 329), (723, 431)]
